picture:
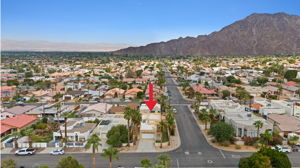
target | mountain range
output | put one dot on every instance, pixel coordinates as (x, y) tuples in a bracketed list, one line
[(277, 33)]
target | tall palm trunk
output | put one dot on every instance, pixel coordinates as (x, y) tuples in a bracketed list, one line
[(66, 136), (169, 137), (110, 162), (16, 142), (94, 158), (29, 141), (161, 137), (128, 133)]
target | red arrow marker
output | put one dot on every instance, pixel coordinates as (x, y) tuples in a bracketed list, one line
[(151, 104)]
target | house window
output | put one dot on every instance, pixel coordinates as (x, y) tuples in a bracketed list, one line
[(245, 132), (240, 132)]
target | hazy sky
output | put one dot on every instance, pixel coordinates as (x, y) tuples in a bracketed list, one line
[(135, 22)]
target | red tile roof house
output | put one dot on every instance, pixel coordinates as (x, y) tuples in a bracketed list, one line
[(113, 93), (5, 130), (203, 90), (291, 83), (132, 93), (128, 80), (18, 122)]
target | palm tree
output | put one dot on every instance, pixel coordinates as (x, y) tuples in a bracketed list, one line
[(127, 116), (266, 138), (293, 141), (196, 106), (162, 126), (29, 133), (171, 121), (199, 97), (212, 114), (204, 116), (58, 106), (162, 102), (93, 141), (146, 163), (164, 159), (16, 134), (66, 115), (258, 124), (190, 92), (279, 92), (110, 153), (136, 122)]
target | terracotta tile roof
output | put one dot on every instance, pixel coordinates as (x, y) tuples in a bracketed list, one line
[(256, 106), (291, 83), (4, 128), (117, 109), (202, 90), (19, 121), (128, 79), (271, 83), (40, 93), (133, 91), (133, 106), (115, 90)]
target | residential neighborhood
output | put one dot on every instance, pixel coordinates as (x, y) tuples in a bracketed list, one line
[(74, 102)]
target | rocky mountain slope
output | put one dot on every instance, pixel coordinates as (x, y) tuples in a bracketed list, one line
[(256, 34)]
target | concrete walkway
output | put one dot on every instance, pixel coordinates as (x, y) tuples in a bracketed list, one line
[(146, 145)]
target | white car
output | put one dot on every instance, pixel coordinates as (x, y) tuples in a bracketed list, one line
[(174, 110), (280, 148), (25, 151), (57, 152)]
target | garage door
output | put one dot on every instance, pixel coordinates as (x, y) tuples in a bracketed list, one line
[(147, 136)]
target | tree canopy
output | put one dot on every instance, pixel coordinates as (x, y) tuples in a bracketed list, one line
[(266, 158), (117, 135), (69, 162), (222, 131)]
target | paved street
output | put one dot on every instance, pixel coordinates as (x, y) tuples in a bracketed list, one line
[(193, 152)]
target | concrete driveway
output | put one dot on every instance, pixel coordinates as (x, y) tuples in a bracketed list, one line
[(146, 145)]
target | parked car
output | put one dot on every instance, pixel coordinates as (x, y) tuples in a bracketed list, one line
[(297, 148), (25, 151), (174, 110), (280, 148), (57, 152)]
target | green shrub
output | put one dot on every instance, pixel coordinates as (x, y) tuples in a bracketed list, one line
[(250, 141), (222, 131), (41, 126)]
